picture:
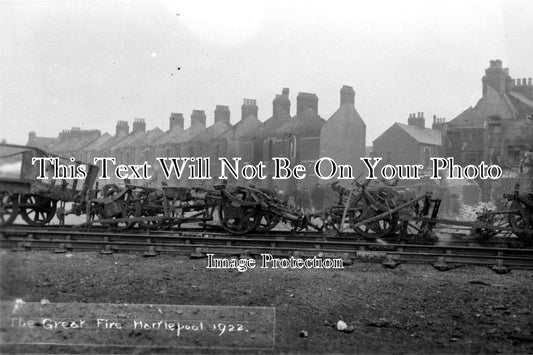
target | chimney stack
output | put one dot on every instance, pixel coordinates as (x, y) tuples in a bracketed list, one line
[(306, 100), (438, 123), (249, 107), (347, 95), (31, 136), (122, 127), (524, 86), (222, 113), (138, 125), (417, 120), (175, 119), (281, 104), (496, 77), (198, 118)]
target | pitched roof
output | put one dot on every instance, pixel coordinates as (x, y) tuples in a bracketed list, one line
[(189, 133), (212, 131), (42, 142), (491, 104), (468, 117), (422, 135), (129, 140), (75, 141), (98, 143), (150, 138), (110, 143), (346, 114), (247, 127), (171, 136), (272, 124), (308, 122), (522, 99)]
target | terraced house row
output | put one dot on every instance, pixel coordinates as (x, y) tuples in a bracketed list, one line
[(302, 138), (498, 129)]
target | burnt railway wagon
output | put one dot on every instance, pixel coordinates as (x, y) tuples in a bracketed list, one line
[(36, 200), (369, 211), (515, 217)]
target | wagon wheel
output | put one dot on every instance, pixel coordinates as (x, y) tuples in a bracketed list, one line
[(362, 209), (37, 210), (235, 216), (521, 218), (268, 220), (9, 206)]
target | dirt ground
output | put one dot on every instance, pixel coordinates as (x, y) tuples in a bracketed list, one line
[(410, 309)]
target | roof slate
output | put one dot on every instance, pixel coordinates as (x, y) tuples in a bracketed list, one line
[(212, 131), (422, 135), (98, 143), (171, 136)]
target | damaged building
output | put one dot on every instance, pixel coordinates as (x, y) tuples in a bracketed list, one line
[(498, 129)]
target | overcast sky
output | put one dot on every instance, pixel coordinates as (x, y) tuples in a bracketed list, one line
[(90, 63)]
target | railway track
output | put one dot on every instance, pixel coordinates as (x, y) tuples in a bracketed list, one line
[(500, 256)]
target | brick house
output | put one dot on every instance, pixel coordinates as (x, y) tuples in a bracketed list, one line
[(410, 143)]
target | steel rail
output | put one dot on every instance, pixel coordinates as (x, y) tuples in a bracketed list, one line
[(200, 244)]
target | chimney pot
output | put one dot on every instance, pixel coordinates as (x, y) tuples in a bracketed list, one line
[(529, 82)]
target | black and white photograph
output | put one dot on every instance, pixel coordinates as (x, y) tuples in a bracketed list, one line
[(266, 177)]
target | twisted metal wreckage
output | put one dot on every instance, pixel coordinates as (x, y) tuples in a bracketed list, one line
[(371, 212)]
